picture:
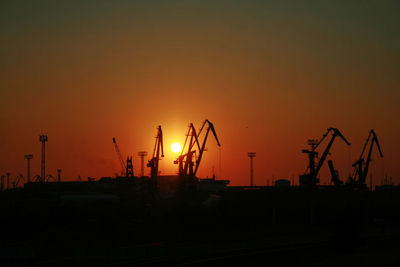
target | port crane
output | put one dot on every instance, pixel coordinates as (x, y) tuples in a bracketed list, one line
[(185, 160), (188, 163), (119, 157), (158, 147), (361, 166), (202, 149), (310, 179)]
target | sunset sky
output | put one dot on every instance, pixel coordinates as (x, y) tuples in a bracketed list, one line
[(269, 74)]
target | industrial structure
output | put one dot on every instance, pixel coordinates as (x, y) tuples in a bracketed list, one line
[(129, 167), (154, 161), (361, 166), (251, 155), (188, 163), (311, 178), (123, 166), (43, 139), (192, 153), (28, 174)]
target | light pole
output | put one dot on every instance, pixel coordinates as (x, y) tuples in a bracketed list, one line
[(28, 159), (43, 139), (251, 155)]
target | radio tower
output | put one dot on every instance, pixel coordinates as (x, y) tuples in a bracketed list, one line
[(43, 139)]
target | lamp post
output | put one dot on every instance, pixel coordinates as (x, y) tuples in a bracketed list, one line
[(251, 155), (28, 159), (43, 139)]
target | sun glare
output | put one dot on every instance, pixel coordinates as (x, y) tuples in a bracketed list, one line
[(176, 147)]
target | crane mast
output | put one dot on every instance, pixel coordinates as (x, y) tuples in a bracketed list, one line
[(158, 147), (313, 167)]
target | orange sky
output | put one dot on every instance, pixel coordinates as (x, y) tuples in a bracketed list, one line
[(269, 76)]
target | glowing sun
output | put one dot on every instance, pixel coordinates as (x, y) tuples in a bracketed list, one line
[(176, 147)]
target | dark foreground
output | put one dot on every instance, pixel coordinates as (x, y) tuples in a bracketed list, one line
[(275, 227)]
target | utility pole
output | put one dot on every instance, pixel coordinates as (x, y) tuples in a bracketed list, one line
[(28, 159), (43, 139), (2, 182), (251, 155), (142, 154)]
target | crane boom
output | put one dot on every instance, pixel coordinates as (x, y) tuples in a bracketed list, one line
[(210, 127), (119, 157), (336, 133)]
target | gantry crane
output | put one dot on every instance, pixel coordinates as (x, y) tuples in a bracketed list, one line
[(188, 163), (158, 147), (361, 166), (123, 171), (310, 179)]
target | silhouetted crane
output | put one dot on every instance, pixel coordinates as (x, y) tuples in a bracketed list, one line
[(360, 173), (119, 157), (185, 160), (187, 166), (210, 127), (158, 147), (311, 177)]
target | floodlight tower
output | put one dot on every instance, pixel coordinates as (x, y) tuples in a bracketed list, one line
[(28, 159), (43, 139), (251, 155), (142, 154)]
